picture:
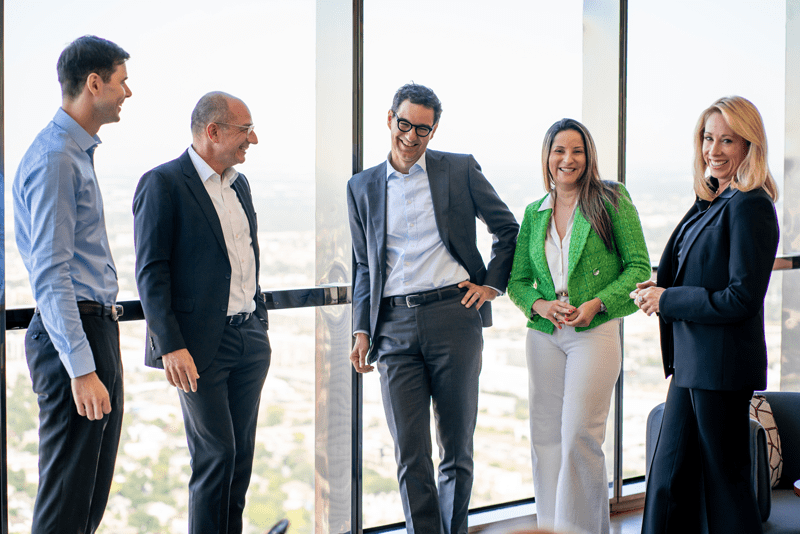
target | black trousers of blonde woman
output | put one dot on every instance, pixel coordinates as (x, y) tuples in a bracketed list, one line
[(700, 470)]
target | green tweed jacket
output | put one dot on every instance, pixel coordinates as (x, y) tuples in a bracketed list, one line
[(593, 270)]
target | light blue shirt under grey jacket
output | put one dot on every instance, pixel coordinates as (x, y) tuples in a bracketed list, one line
[(416, 258), (61, 235)]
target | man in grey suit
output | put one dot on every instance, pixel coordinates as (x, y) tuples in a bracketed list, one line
[(421, 295)]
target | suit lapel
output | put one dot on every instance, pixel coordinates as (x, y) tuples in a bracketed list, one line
[(195, 185), (376, 203), (580, 232), (246, 200), (710, 214), (540, 228), (439, 180)]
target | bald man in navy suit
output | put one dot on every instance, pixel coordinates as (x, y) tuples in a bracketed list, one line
[(197, 264)]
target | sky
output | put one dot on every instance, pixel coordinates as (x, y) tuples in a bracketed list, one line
[(504, 70)]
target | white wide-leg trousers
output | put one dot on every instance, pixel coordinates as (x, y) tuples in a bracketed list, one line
[(571, 379)]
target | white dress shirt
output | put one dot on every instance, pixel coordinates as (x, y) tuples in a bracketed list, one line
[(235, 229)]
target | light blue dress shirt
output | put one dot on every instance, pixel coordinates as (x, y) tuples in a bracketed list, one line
[(61, 235), (416, 258)]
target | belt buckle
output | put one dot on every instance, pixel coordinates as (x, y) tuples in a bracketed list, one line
[(239, 319), (409, 303)]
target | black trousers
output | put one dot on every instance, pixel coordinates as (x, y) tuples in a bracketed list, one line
[(220, 419), (76, 455), (700, 471)]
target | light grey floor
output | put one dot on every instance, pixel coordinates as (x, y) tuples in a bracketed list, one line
[(621, 523), (627, 523)]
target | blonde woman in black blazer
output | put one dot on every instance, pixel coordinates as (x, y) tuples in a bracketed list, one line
[(709, 297)]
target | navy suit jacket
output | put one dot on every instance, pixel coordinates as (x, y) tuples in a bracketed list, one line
[(460, 194), (182, 267), (712, 312)]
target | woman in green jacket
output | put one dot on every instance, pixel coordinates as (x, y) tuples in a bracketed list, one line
[(580, 252)]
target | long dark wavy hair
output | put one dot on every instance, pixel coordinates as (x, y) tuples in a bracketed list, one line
[(593, 192)]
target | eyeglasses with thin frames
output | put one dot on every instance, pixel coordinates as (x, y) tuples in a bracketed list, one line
[(249, 129), (423, 130)]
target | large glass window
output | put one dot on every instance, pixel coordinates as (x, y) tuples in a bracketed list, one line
[(178, 53), (680, 61), (504, 73)]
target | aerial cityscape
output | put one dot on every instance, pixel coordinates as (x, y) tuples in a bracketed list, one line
[(149, 492), (503, 130)]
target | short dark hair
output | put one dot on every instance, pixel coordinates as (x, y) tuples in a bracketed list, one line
[(418, 94), (84, 56), (212, 107)]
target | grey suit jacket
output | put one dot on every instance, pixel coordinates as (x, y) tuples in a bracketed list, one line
[(461, 193)]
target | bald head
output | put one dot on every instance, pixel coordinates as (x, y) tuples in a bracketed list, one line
[(222, 130), (212, 107)]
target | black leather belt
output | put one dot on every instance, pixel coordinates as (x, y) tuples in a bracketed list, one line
[(90, 307), (239, 319), (418, 299)]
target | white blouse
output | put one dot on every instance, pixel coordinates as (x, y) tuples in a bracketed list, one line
[(557, 250)]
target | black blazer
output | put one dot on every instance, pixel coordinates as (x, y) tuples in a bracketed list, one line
[(461, 193), (182, 267), (712, 312)]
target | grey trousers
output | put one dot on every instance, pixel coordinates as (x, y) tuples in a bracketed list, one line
[(431, 353)]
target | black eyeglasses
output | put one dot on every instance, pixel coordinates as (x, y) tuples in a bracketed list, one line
[(249, 128), (405, 126)]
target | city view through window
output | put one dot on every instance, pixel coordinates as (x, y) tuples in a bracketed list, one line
[(504, 73)]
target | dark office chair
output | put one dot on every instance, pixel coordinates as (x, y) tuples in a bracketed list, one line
[(281, 527)]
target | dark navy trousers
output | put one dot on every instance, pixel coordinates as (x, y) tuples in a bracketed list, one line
[(220, 419), (76, 455), (700, 473)]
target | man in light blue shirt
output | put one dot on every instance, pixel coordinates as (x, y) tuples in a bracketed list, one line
[(72, 343), (421, 294)]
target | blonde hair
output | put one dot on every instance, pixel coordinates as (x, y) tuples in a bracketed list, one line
[(745, 120), (593, 192)]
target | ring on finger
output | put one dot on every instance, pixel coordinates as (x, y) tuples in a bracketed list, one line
[(555, 315)]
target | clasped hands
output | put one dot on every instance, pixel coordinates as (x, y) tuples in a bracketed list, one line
[(563, 313), (646, 296)]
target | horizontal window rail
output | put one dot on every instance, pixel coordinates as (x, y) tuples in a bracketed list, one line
[(281, 299), (284, 299), (785, 262)]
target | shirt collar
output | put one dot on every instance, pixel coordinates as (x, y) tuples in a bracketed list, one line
[(547, 204), (75, 130), (420, 163), (713, 184), (206, 172)]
